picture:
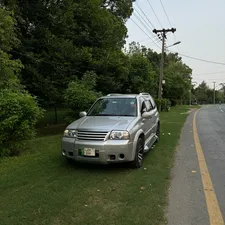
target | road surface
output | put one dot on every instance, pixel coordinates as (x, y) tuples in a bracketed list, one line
[(197, 192)]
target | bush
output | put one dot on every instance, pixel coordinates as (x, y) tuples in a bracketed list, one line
[(165, 104), (80, 95), (18, 114)]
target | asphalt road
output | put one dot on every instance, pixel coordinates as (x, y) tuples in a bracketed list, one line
[(197, 192)]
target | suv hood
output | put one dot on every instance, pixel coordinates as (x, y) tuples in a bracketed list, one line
[(103, 123)]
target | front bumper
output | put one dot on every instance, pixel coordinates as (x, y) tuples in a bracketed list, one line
[(110, 151)]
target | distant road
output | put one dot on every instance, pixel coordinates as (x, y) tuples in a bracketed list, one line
[(197, 193)]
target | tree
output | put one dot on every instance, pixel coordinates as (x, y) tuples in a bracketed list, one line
[(202, 93), (79, 95), (61, 40), (18, 109), (177, 77)]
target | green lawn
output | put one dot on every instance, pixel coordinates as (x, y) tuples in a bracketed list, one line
[(39, 187)]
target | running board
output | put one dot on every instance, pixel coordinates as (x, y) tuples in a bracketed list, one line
[(150, 143)]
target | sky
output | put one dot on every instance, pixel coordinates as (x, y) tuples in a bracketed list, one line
[(200, 26)]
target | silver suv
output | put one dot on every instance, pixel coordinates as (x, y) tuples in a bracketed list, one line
[(117, 128)]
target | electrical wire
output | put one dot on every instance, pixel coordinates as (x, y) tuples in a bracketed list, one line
[(151, 36), (143, 31), (168, 20), (165, 13), (145, 16), (144, 24), (202, 60), (154, 13)]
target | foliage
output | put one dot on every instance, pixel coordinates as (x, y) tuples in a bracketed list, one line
[(9, 68), (204, 94), (141, 74), (18, 109), (18, 114), (177, 77), (165, 104), (61, 40), (79, 95)]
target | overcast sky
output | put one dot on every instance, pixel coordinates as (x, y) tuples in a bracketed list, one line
[(200, 27)]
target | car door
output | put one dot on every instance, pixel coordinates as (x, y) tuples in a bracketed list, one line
[(147, 123), (155, 114), (151, 119)]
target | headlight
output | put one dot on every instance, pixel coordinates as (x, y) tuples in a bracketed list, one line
[(70, 133), (119, 135)]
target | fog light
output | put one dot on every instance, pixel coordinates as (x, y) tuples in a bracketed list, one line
[(122, 156)]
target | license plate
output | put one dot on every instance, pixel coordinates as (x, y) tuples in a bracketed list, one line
[(88, 152)]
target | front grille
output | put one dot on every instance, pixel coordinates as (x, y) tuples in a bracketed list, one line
[(91, 135)]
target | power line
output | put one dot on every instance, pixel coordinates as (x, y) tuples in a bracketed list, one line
[(143, 31), (165, 13), (154, 13), (143, 19), (145, 16), (175, 39), (202, 60), (146, 26)]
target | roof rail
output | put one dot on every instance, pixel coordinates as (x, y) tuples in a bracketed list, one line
[(144, 93), (113, 94)]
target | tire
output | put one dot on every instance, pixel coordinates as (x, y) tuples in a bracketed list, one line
[(137, 163), (69, 160), (158, 133)]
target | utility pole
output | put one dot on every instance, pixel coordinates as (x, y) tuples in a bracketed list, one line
[(163, 33), (214, 93)]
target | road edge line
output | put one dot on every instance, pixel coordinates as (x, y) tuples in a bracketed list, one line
[(215, 215)]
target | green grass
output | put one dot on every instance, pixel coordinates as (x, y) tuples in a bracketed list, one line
[(39, 187)]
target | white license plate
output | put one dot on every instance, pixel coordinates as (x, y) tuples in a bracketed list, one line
[(89, 151)]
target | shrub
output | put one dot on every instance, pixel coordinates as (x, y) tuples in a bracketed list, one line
[(80, 94), (165, 104), (18, 114)]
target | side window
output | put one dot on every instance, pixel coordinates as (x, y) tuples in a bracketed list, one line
[(148, 105), (152, 102), (142, 105)]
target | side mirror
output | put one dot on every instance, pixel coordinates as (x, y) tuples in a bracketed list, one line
[(146, 115), (83, 114)]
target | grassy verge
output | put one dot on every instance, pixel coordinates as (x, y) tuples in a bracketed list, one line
[(39, 187)]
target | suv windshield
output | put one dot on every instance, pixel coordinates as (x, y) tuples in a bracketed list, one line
[(114, 107)]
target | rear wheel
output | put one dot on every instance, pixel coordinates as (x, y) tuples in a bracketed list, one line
[(137, 163)]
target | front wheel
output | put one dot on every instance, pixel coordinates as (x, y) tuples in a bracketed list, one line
[(158, 133), (69, 160), (137, 163)]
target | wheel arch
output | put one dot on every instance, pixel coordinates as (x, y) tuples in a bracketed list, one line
[(139, 134)]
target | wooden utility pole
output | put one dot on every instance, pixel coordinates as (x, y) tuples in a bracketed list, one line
[(163, 33), (214, 93)]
